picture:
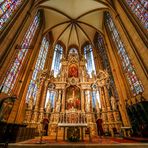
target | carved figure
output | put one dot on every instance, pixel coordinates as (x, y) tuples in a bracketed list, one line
[(30, 103), (52, 73), (48, 106), (113, 103), (93, 74), (58, 106)]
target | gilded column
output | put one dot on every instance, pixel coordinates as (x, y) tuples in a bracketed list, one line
[(58, 102), (63, 100), (97, 106), (109, 113), (91, 97), (101, 99), (54, 102), (37, 101), (82, 100), (104, 113)]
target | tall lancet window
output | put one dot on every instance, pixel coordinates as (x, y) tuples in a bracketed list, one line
[(32, 89), (56, 63), (128, 67), (105, 63), (88, 53), (140, 9), (15, 66), (7, 10)]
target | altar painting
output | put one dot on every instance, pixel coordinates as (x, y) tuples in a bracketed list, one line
[(73, 70), (73, 101)]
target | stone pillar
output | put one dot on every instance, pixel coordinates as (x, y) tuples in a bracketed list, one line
[(82, 100), (54, 103), (91, 101), (63, 100), (58, 102)]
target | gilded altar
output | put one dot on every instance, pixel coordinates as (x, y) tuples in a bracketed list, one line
[(73, 103)]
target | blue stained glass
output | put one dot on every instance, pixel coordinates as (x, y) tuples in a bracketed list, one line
[(135, 84)]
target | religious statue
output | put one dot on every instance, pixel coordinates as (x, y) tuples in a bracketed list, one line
[(48, 107), (93, 74), (83, 58), (63, 58), (52, 73), (87, 103), (113, 103), (62, 72), (83, 74), (87, 107), (58, 106), (30, 103), (40, 76)]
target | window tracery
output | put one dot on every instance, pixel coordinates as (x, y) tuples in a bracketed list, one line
[(15, 67), (128, 67)]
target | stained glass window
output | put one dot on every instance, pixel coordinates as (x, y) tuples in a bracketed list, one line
[(105, 63), (7, 10), (128, 67), (88, 53), (56, 65), (140, 9), (15, 67), (32, 90)]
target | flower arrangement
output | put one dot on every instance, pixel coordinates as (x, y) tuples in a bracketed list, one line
[(73, 134)]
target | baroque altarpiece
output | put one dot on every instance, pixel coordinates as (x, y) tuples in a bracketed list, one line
[(77, 99)]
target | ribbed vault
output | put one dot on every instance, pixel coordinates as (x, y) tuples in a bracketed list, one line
[(73, 21)]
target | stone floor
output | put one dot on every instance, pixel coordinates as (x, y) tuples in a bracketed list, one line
[(104, 142)]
